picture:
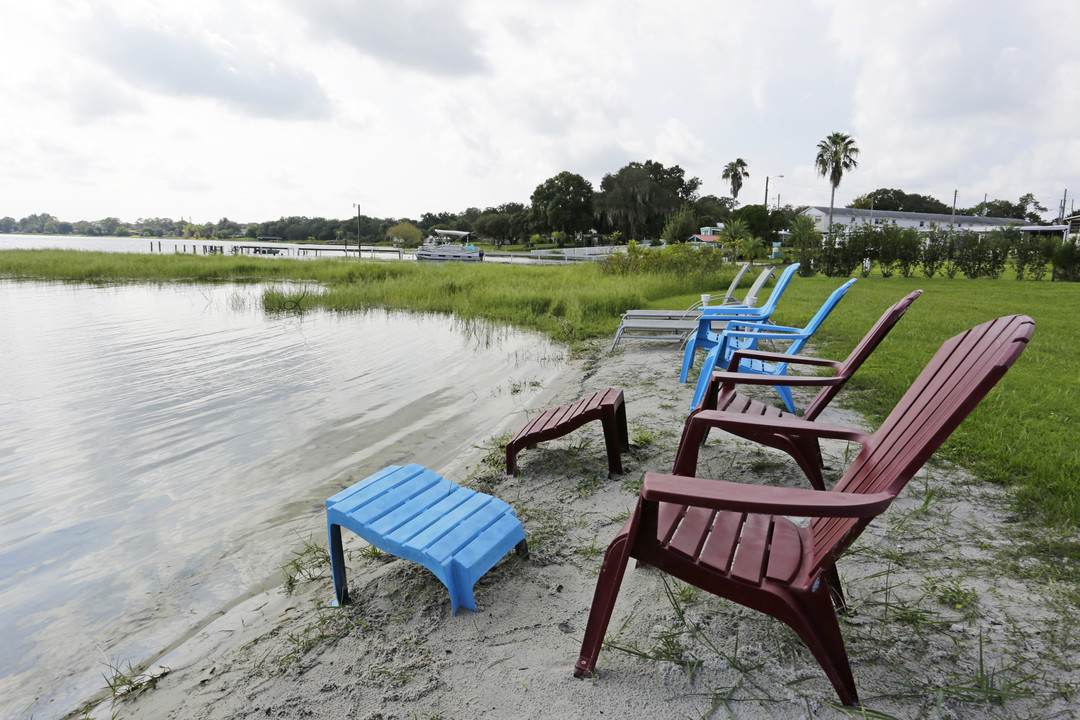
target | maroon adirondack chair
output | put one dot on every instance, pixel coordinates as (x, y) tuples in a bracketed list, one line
[(722, 396), (733, 540)]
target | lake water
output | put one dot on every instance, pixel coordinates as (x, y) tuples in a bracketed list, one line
[(163, 449), (15, 241)]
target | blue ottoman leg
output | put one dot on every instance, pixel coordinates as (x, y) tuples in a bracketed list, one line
[(337, 565)]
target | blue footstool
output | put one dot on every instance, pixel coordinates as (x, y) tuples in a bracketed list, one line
[(416, 514)]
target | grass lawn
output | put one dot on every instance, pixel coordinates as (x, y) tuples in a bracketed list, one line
[(1024, 435)]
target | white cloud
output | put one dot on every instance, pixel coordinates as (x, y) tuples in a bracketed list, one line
[(254, 110), (428, 37), (956, 91), (198, 62)]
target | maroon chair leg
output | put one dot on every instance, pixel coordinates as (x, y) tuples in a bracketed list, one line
[(607, 589), (819, 628), (616, 437)]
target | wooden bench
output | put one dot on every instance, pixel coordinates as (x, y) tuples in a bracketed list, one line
[(416, 514), (605, 405)]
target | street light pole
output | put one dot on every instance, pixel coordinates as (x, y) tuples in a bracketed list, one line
[(767, 189)]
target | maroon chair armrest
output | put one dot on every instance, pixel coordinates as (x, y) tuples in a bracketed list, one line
[(729, 379), (742, 497), (749, 354), (739, 424), (751, 427)]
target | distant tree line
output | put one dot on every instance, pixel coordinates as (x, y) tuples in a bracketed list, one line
[(641, 201), (1027, 208), (636, 202)]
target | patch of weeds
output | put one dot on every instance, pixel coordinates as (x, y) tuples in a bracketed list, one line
[(1045, 558), (309, 563), (546, 532), (591, 550), (297, 642), (495, 457), (765, 463), (684, 594), (904, 521), (394, 678), (670, 646), (621, 517), (632, 484), (519, 386), (668, 406), (643, 437), (587, 485), (989, 686), (952, 593), (861, 711), (428, 716), (124, 680), (913, 615), (370, 552), (1063, 632), (898, 609)]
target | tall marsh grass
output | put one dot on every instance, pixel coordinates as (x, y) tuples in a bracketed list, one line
[(1024, 435)]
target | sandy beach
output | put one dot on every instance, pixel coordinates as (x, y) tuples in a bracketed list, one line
[(945, 623)]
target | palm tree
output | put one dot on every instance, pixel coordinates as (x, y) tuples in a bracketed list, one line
[(836, 155), (734, 172), (734, 235)]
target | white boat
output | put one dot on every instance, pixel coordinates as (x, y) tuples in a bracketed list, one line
[(436, 247), (449, 252)]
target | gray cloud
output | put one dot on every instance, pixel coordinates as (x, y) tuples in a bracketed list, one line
[(430, 38), (190, 65)]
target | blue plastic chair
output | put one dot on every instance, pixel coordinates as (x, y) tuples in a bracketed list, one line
[(706, 338), (745, 336)]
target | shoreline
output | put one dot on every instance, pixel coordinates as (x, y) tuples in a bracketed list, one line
[(933, 615)]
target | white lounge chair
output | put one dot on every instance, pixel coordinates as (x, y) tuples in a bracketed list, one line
[(695, 309), (672, 325)]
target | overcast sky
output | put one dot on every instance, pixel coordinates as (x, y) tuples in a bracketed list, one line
[(257, 109)]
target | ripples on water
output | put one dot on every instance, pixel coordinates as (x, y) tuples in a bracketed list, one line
[(162, 448)]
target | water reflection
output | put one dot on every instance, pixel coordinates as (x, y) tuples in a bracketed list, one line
[(161, 448)]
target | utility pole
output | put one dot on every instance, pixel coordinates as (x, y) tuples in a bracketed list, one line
[(767, 189), (357, 206), (953, 218)]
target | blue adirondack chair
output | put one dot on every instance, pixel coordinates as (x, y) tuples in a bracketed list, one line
[(741, 335), (706, 338)]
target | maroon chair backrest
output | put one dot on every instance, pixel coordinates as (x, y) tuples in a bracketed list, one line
[(956, 379), (862, 351)]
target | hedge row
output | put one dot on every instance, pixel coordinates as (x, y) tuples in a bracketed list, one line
[(940, 250)]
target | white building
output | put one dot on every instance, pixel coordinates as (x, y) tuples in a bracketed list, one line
[(919, 221)]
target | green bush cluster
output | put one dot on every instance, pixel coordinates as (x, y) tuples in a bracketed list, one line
[(893, 250), (676, 259)]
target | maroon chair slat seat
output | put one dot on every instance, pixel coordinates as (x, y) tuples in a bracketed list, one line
[(735, 540), (607, 406), (805, 450)]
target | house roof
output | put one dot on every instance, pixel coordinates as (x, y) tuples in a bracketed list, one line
[(925, 217)]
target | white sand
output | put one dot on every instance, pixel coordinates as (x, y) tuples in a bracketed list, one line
[(397, 652)]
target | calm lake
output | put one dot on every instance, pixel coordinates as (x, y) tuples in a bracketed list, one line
[(164, 449)]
